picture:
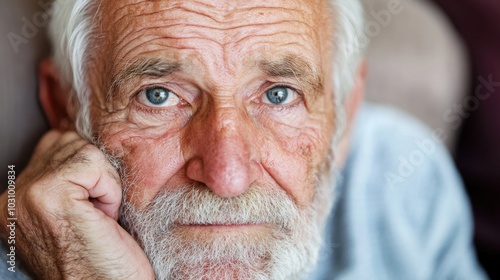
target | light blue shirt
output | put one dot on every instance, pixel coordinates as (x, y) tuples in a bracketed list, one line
[(400, 212)]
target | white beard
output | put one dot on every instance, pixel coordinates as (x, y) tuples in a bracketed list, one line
[(287, 248)]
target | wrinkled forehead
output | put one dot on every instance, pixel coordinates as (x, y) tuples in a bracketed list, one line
[(223, 28), (221, 11)]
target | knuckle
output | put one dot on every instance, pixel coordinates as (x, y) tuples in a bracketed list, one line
[(62, 152), (50, 195), (83, 153), (92, 152), (31, 195), (89, 148), (38, 199), (69, 136)]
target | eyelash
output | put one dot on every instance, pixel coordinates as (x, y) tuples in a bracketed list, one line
[(285, 108), (152, 110)]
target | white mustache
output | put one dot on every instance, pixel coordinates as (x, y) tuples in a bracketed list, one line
[(195, 204)]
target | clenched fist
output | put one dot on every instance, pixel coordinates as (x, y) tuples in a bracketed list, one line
[(67, 206)]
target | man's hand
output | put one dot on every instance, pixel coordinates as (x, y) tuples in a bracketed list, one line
[(67, 206)]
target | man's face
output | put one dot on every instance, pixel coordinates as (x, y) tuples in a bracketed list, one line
[(226, 99)]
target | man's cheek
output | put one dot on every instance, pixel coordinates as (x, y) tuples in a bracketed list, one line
[(307, 141), (149, 164), (292, 163)]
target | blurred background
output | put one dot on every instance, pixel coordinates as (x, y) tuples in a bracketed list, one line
[(436, 59), (440, 61)]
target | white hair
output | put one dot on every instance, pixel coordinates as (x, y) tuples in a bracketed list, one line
[(71, 33), (349, 19)]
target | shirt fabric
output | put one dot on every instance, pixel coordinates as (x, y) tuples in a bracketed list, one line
[(400, 211)]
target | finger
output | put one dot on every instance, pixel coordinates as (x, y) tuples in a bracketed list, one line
[(58, 146), (107, 194), (89, 168), (48, 140)]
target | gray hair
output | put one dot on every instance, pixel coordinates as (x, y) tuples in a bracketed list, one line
[(71, 33)]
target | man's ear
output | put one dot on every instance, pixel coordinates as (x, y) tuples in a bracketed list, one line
[(351, 107), (53, 96), (355, 98)]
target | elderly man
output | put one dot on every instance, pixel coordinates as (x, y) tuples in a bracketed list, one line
[(209, 136)]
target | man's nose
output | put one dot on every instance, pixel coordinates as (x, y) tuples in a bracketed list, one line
[(222, 157)]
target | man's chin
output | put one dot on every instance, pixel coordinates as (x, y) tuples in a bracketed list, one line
[(219, 270), (209, 232), (215, 252), (224, 243), (190, 233)]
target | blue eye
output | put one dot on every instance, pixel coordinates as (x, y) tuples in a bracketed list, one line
[(158, 97), (279, 95)]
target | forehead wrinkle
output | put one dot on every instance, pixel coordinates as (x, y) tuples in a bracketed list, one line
[(156, 42), (204, 29), (237, 16), (166, 11), (270, 35), (229, 11), (154, 8), (274, 28), (141, 68)]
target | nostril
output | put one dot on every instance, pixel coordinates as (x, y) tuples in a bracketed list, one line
[(224, 176), (227, 178)]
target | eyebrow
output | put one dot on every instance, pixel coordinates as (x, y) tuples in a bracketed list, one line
[(142, 68), (292, 66)]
